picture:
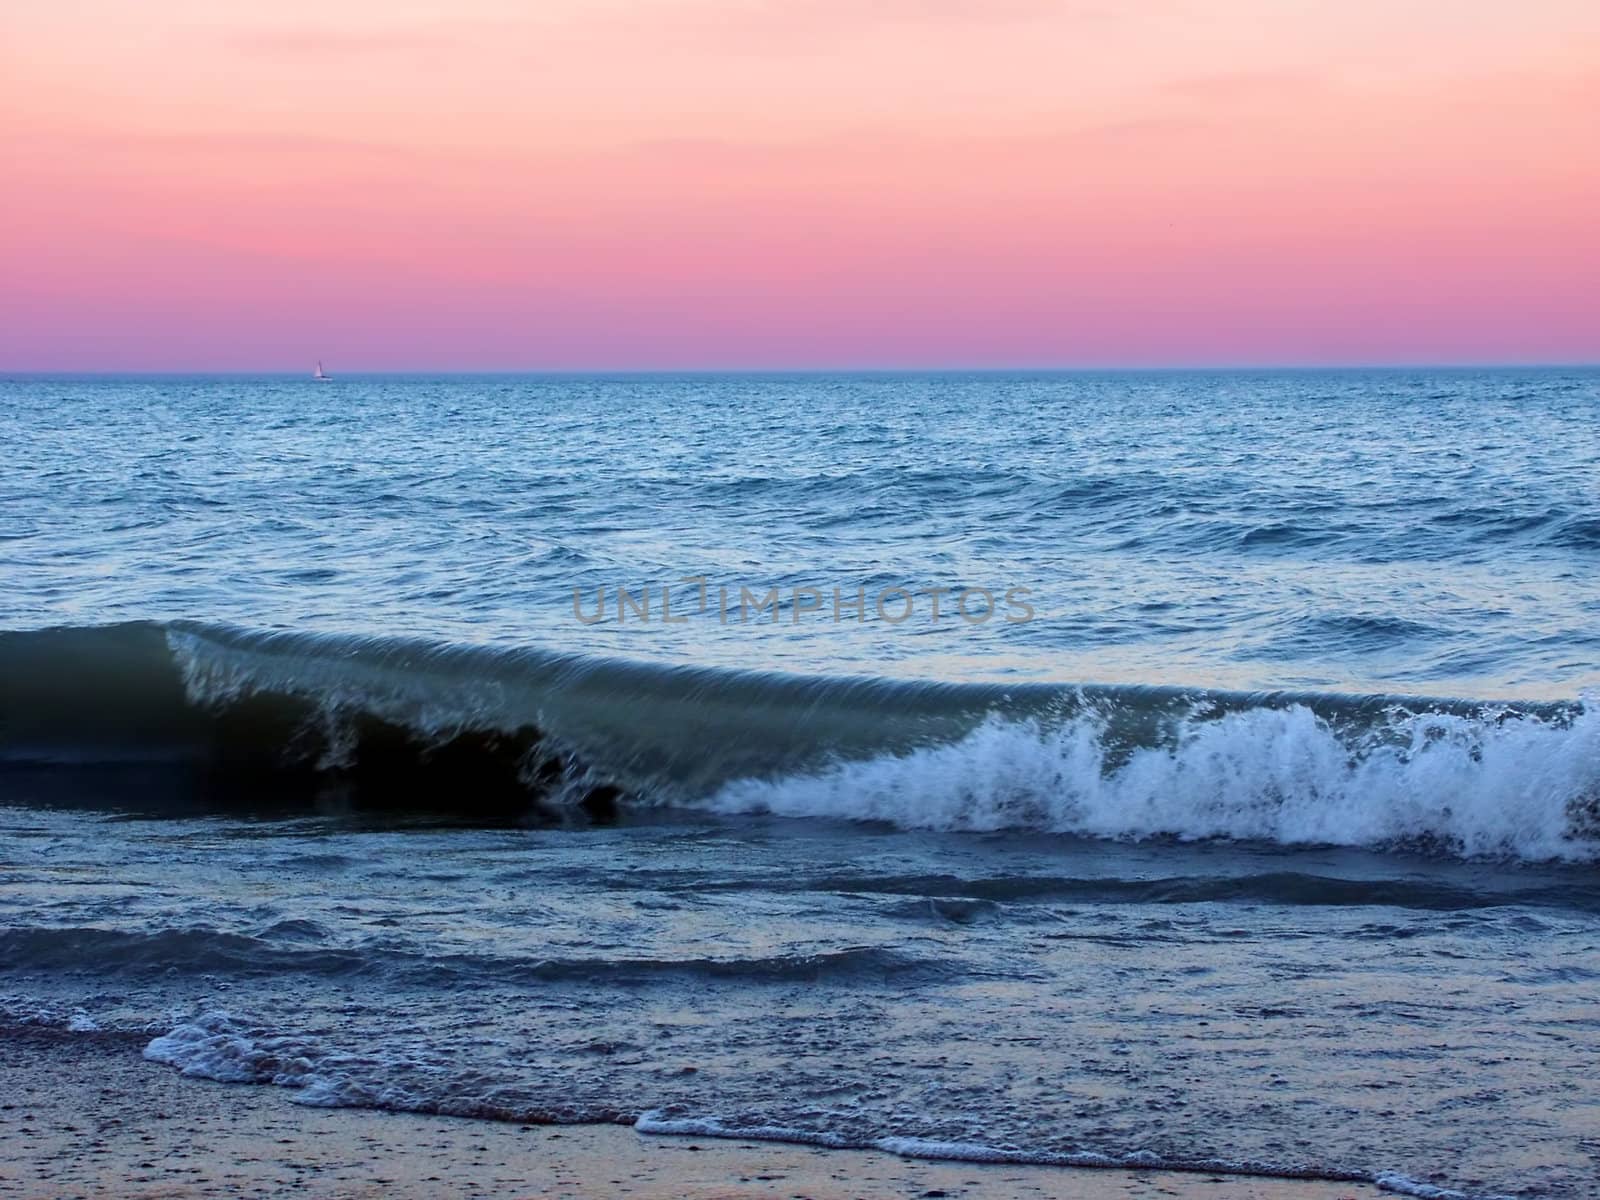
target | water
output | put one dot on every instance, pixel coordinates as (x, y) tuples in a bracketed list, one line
[(1346, 531), (1268, 842)]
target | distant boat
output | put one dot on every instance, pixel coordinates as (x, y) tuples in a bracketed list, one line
[(321, 376)]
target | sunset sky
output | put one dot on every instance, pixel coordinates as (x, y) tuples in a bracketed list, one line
[(636, 184)]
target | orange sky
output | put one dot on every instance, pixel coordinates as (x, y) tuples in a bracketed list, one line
[(747, 183)]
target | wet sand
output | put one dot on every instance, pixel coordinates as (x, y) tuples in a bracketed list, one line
[(85, 1116)]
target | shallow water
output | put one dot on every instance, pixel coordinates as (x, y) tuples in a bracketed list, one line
[(1332, 1011), (1268, 843)]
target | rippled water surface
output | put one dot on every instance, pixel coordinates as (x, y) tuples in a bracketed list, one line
[(1368, 531), (1268, 844)]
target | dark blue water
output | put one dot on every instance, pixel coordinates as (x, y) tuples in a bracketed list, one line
[(591, 749)]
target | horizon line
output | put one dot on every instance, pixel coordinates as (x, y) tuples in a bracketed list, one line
[(641, 372)]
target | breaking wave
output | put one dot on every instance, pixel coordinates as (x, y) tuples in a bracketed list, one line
[(1507, 786), (228, 716)]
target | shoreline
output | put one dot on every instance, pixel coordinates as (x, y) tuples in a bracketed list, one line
[(86, 1115)]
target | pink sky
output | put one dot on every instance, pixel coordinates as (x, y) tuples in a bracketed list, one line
[(618, 184)]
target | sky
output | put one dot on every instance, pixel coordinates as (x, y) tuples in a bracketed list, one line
[(740, 184)]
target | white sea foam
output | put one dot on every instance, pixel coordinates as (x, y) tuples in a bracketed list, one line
[(1508, 786), (1404, 1185), (213, 1046), (216, 1046), (657, 1123)]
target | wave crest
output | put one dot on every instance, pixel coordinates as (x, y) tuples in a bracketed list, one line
[(1516, 787), (498, 733)]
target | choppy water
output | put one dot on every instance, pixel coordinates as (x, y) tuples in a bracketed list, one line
[(1269, 840)]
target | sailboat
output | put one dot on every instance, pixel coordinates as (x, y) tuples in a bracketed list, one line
[(320, 375)]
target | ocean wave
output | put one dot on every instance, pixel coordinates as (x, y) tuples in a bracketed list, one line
[(1516, 787), (198, 951), (522, 734), (661, 1123), (956, 897), (218, 1046)]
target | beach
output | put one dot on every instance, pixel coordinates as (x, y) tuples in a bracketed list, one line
[(88, 1116)]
